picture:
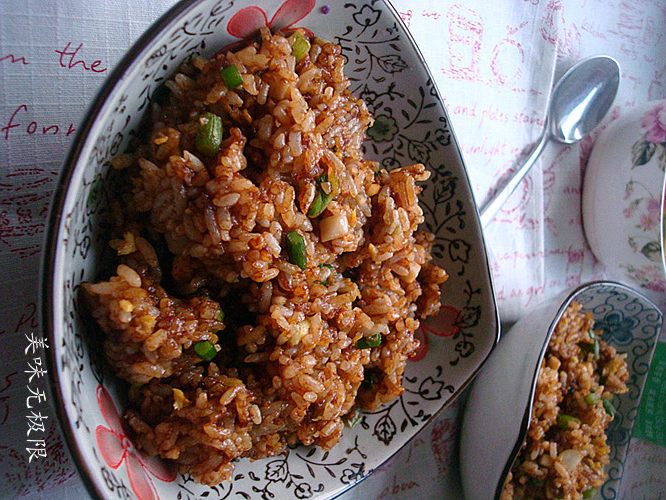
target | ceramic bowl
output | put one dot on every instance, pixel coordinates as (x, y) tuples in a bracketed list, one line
[(385, 69), (624, 198), (497, 412)]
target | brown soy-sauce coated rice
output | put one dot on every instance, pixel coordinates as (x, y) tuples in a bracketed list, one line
[(565, 451), (197, 236)]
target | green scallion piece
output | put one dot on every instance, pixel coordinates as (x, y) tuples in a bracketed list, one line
[(296, 249), (592, 399), (591, 493), (323, 198), (232, 77), (369, 342), (317, 206), (220, 316), (300, 46), (608, 406), (330, 266), (209, 135), (205, 350), (586, 347), (564, 420), (369, 378), (591, 334), (351, 419)]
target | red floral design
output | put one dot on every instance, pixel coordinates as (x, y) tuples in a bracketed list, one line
[(115, 447), (246, 22), (654, 121), (444, 324), (420, 353)]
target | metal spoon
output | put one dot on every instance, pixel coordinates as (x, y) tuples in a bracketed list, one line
[(579, 102)]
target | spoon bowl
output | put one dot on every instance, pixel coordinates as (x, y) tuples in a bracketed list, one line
[(580, 100)]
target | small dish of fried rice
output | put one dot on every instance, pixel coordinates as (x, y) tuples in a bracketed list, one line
[(565, 452), (545, 419)]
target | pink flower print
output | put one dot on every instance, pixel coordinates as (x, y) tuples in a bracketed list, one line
[(656, 286), (653, 207), (654, 121), (246, 22), (630, 209), (420, 353), (115, 446), (444, 323), (650, 219)]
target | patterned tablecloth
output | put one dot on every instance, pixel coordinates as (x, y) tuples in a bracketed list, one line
[(494, 63)]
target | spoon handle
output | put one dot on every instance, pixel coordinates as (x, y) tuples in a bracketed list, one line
[(502, 193)]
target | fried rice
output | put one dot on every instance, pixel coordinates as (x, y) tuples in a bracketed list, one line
[(302, 335), (565, 451)]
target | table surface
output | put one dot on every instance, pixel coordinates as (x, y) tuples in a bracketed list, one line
[(494, 65)]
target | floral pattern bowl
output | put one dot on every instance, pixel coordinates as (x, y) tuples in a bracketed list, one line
[(499, 406), (385, 69), (624, 198)]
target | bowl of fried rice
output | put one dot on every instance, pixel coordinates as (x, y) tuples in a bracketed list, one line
[(265, 271), (551, 413)]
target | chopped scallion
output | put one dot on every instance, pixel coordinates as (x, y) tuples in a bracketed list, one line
[(592, 398), (205, 350), (296, 249), (209, 135), (232, 77), (369, 342), (593, 348), (300, 46), (369, 378), (317, 206), (591, 493), (591, 334), (351, 419), (608, 406), (322, 198), (220, 316), (330, 266), (564, 420)]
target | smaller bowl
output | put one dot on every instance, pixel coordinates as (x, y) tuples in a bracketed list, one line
[(499, 406), (624, 198)]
